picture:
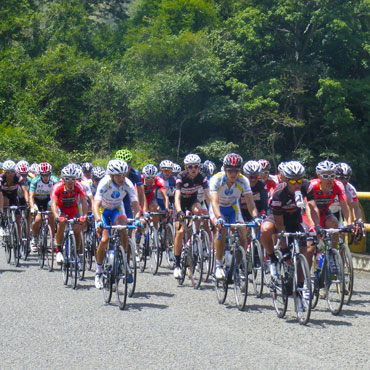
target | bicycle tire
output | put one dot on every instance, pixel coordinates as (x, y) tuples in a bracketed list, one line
[(240, 273), (222, 286), (207, 258), (8, 251), (154, 251), (315, 288), (65, 264), (279, 291), (183, 263), (51, 248), (302, 304), (107, 280), (81, 258), (89, 248), (24, 240), (346, 255), (73, 261), (143, 252), (121, 273), (257, 262), (14, 240), (46, 244), (169, 246), (196, 262), (40, 248), (334, 282), (133, 268)]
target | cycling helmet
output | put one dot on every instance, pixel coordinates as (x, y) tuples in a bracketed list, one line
[(124, 155), (203, 169), (166, 165), (343, 169), (9, 166), (79, 173), (176, 168), (211, 167), (150, 170), (252, 168), (265, 164), (98, 172), (281, 167), (22, 167), (87, 167), (232, 160), (294, 170), (117, 167), (192, 159), (34, 168), (71, 170), (45, 168), (325, 166)]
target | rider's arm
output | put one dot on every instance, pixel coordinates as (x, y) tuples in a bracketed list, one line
[(25, 192), (84, 205), (251, 205), (165, 197), (178, 200), (54, 207), (136, 209), (215, 203), (96, 209), (207, 196), (313, 213), (141, 195), (357, 211), (345, 211), (32, 199)]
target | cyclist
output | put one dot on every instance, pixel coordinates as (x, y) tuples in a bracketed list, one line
[(64, 197), (226, 188), (176, 169), (135, 177), (286, 212), (22, 168), (86, 170), (40, 192), (170, 183), (280, 176), (252, 170), (188, 183), (97, 173), (107, 206), (270, 180), (33, 170)]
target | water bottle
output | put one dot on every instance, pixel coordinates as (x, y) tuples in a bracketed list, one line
[(299, 201), (319, 262), (228, 256)]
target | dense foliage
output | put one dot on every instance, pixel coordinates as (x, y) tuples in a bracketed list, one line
[(279, 79)]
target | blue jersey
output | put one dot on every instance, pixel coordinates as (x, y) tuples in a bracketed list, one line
[(135, 177)]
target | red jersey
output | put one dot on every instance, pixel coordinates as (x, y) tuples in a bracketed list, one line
[(67, 200), (324, 200), (149, 190), (271, 183)]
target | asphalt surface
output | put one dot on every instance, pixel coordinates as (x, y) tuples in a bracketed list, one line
[(44, 325)]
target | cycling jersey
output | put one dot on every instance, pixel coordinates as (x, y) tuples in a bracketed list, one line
[(189, 187), (112, 195), (41, 189), (91, 190), (149, 190), (67, 199), (271, 183), (170, 184), (351, 194), (260, 198), (135, 177), (11, 190)]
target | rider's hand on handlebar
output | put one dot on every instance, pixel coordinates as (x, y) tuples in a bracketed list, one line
[(180, 215), (220, 222)]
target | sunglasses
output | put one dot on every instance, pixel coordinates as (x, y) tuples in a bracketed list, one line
[(45, 174), (191, 166), (9, 171), (69, 178), (233, 170), (266, 172), (251, 177), (326, 176), (297, 181), (150, 177), (343, 177), (166, 170)]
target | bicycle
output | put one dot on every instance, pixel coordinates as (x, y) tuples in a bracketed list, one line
[(24, 234), (90, 240), (166, 236), (45, 241), (287, 282), (329, 274), (70, 264), (115, 267), (11, 235), (235, 261)]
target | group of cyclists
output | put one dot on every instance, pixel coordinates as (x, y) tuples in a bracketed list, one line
[(238, 193)]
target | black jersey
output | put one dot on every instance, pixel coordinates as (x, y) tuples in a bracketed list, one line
[(11, 190), (189, 187)]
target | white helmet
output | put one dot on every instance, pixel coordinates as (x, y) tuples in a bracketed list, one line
[(252, 168), (79, 173), (98, 172), (325, 166), (192, 159), (117, 167), (281, 167), (166, 164), (9, 166), (293, 170), (211, 167), (34, 168), (71, 170), (176, 168), (150, 170), (343, 169), (22, 167)]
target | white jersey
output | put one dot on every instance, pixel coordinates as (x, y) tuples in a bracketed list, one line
[(112, 195), (90, 190), (351, 194), (229, 196)]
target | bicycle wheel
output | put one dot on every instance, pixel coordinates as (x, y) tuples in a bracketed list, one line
[(196, 262), (315, 288), (7, 246), (132, 268), (183, 262), (40, 248), (14, 241), (279, 291), (154, 251), (81, 258), (302, 293), (50, 248), (256, 256), (169, 246), (334, 281), (120, 273), (346, 255), (89, 248), (65, 264), (207, 257), (143, 250), (107, 280), (240, 272), (222, 286), (73, 268), (46, 244), (24, 240)]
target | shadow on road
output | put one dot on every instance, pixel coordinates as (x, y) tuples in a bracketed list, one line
[(149, 294), (141, 306)]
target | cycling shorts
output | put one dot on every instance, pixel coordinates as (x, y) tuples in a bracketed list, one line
[(110, 216), (231, 214), (160, 202), (70, 213)]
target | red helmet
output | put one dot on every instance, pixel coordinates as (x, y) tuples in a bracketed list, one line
[(265, 164), (22, 168), (44, 168), (233, 160)]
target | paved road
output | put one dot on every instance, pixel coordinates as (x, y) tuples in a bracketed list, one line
[(44, 324)]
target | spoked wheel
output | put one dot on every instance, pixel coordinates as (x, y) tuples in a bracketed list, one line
[(207, 255), (24, 240), (41, 248), (14, 240), (240, 273), (257, 264), (302, 290), (346, 255), (222, 286), (196, 262), (7, 246), (169, 245), (121, 274), (50, 248), (132, 269), (89, 249), (107, 281), (334, 282), (73, 268), (81, 258), (279, 292), (65, 264), (155, 252), (46, 243), (315, 288), (183, 263), (143, 253)]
